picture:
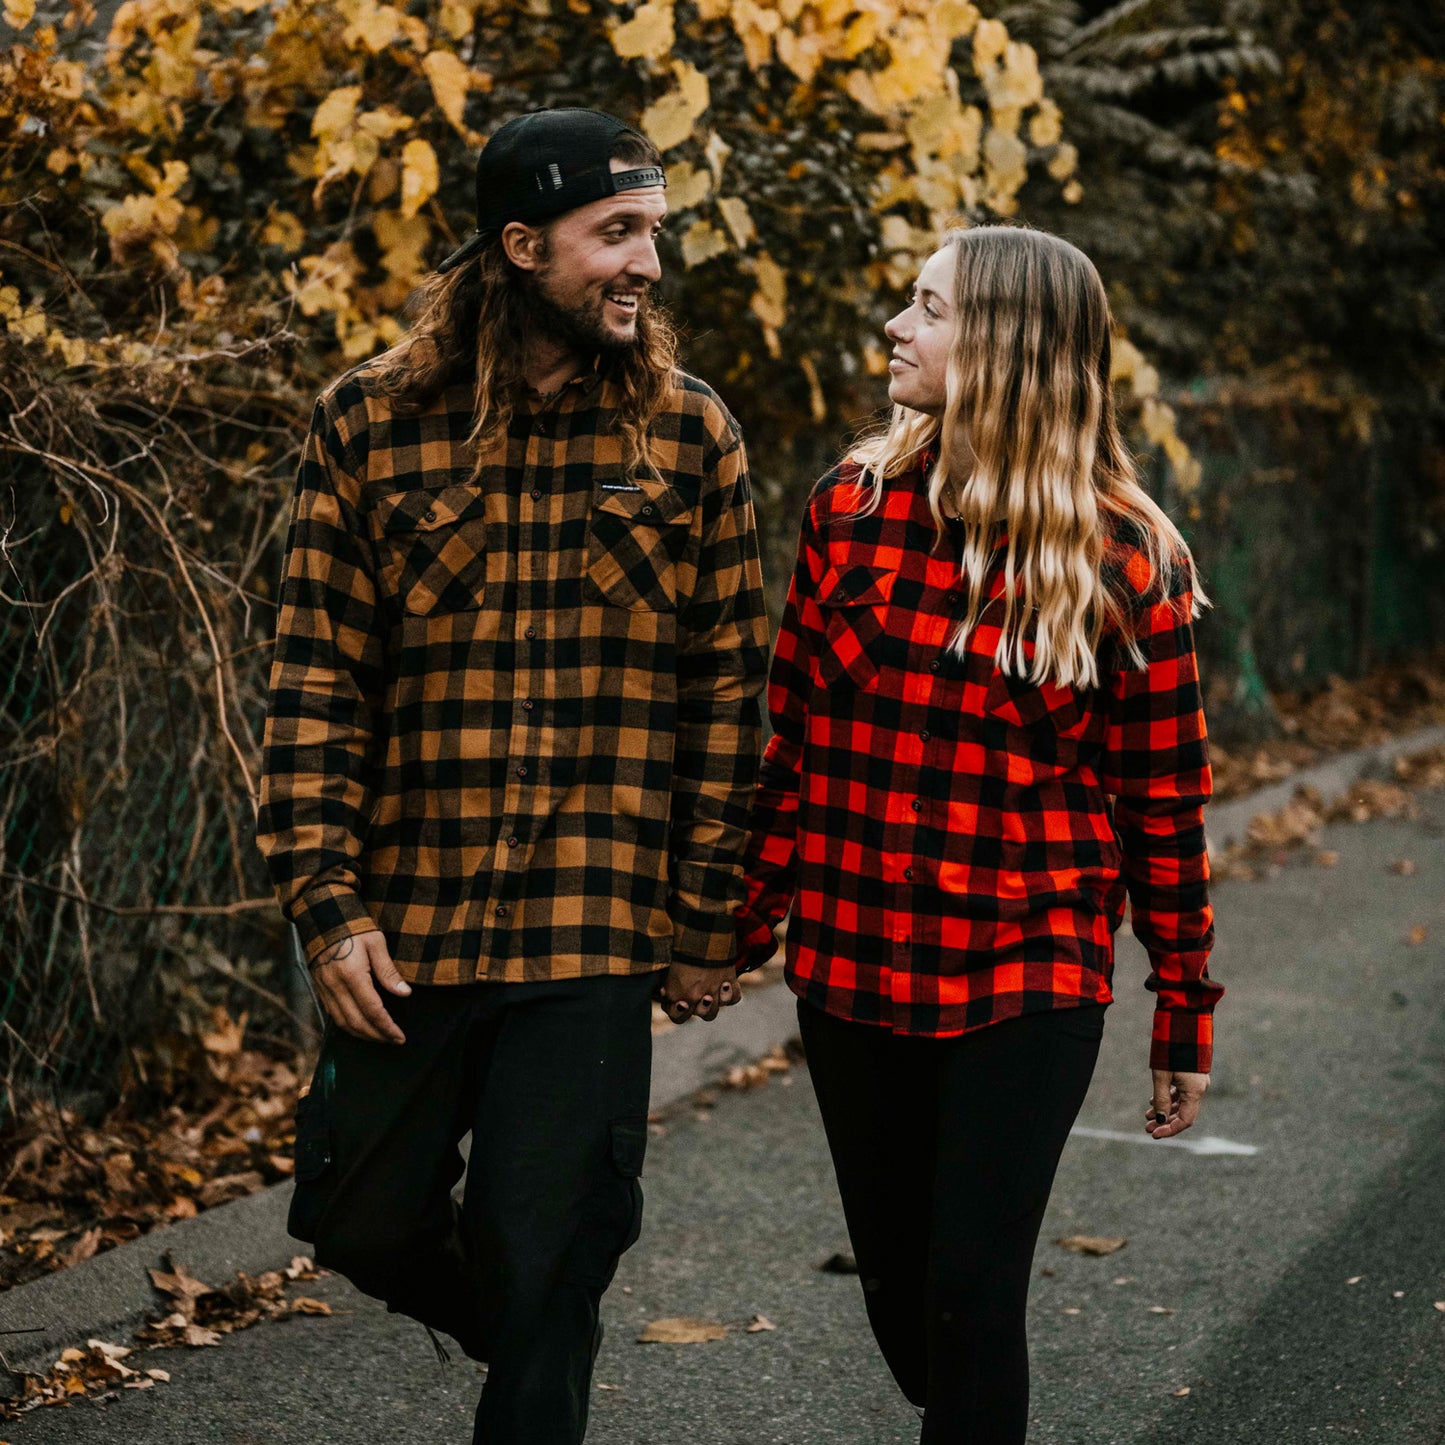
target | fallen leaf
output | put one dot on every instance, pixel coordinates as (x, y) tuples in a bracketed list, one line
[(1440, 1305), (1416, 935), (1405, 867), (681, 1331), (1180, 1393), (1125, 1279), (1326, 858), (197, 1337), (84, 1247), (1354, 1279), (1160, 1310), (178, 1283), (1090, 1244), (760, 1323), (164, 1376), (110, 1351), (1072, 1310), (305, 1305)]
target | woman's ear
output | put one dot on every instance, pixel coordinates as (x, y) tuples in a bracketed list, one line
[(522, 245)]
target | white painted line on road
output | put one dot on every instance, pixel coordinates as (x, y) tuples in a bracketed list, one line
[(1205, 1144)]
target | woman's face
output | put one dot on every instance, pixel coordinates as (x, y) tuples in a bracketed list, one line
[(922, 336)]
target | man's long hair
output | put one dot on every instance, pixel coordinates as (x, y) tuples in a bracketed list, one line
[(472, 322), (1029, 437)]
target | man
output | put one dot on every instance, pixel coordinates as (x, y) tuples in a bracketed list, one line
[(512, 734)]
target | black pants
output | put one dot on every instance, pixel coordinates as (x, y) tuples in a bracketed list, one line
[(552, 1081), (945, 1151)]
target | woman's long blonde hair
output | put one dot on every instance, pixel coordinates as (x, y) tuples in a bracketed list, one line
[(1029, 438)]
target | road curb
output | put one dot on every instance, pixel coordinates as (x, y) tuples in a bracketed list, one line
[(111, 1292), (1228, 823), (107, 1295)]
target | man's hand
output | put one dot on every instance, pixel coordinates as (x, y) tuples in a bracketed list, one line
[(691, 992), (1175, 1105), (344, 975)]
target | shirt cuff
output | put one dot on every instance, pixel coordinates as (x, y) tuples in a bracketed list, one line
[(757, 940), (326, 914), (1183, 1042), (702, 939)]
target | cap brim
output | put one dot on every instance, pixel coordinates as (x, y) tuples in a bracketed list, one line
[(464, 253)]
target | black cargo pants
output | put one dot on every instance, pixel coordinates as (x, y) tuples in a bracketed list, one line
[(552, 1081)]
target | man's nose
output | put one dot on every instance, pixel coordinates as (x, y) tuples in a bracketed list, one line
[(644, 263)]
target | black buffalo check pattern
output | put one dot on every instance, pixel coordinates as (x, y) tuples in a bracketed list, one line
[(514, 716), (956, 843)]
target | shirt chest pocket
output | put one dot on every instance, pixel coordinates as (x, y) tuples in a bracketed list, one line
[(637, 539), (854, 598), (1042, 710), (433, 549)]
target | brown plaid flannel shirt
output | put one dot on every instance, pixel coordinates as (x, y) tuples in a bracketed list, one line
[(514, 720)]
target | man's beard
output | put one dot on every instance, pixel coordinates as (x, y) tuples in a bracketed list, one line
[(580, 329)]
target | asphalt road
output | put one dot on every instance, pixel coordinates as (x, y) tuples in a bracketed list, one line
[(1331, 1065)]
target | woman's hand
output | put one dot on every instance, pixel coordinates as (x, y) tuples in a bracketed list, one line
[(1175, 1105)]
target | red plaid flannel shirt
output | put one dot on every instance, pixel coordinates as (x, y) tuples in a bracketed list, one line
[(956, 843)]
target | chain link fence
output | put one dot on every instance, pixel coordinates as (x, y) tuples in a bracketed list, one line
[(133, 652)]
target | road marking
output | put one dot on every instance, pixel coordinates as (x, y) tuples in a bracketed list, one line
[(1205, 1144)]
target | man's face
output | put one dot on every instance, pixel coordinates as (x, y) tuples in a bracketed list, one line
[(596, 267)]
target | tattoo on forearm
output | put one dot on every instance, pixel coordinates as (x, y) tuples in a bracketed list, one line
[(337, 951)]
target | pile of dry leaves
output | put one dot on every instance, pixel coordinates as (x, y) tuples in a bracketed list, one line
[(1275, 839), (71, 1189), (194, 1315), (1336, 718)]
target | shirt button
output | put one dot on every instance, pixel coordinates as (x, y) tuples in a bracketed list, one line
[(531, 633), (536, 494), (908, 874), (527, 705), (924, 735), (513, 841), (501, 910), (917, 805), (522, 773), (841, 595), (430, 517), (539, 426), (647, 510), (933, 666), (951, 599)]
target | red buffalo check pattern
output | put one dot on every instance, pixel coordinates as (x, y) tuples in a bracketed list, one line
[(956, 844)]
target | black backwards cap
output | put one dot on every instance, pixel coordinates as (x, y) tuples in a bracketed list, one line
[(543, 164)]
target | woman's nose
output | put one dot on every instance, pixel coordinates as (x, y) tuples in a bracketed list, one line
[(894, 329)]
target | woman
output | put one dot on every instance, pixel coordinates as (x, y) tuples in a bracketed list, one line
[(987, 729)]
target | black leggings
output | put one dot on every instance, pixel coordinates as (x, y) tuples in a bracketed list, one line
[(945, 1151)]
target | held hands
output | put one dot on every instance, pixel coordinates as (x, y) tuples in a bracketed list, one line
[(347, 975), (689, 992), (1175, 1105)]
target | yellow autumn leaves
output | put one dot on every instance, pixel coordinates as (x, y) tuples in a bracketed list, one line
[(896, 59)]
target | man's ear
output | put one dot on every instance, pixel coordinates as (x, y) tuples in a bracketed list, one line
[(523, 245)]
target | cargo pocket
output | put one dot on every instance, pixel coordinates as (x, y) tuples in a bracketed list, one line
[(612, 1214), (853, 598), (637, 536), (434, 555), (313, 1152)]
